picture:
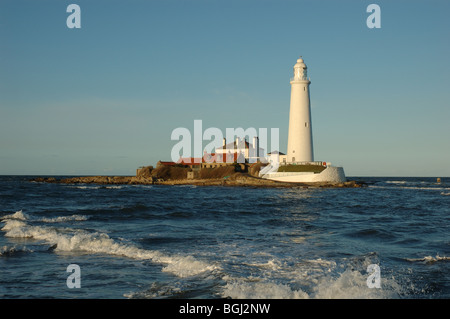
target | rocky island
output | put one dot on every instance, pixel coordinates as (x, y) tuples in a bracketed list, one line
[(177, 175)]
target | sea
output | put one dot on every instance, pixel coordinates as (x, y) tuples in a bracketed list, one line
[(388, 240)]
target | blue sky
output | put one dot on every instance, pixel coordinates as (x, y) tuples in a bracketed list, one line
[(105, 98)]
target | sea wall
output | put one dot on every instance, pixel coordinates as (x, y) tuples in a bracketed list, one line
[(330, 174)]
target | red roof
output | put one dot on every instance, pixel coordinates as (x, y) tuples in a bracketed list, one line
[(190, 160), (167, 163)]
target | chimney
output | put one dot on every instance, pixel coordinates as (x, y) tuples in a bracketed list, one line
[(224, 142), (237, 142), (256, 146)]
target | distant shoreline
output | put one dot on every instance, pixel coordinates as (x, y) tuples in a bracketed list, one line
[(236, 180)]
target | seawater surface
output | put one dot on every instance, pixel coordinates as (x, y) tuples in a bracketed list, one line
[(143, 241)]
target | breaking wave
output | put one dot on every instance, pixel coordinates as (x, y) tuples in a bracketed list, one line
[(19, 215), (89, 187), (85, 187), (10, 251), (412, 185), (432, 188), (312, 283), (61, 219), (64, 239), (429, 259), (396, 182)]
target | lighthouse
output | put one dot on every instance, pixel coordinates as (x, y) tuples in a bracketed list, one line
[(298, 166), (300, 143)]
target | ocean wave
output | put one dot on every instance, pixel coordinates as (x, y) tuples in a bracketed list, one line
[(273, 264), (20, 216), (402, 182), (88, 187), (311, 279), (445, 194), (12, 224), (9, 251), (396, 182), (17, 215), (247, 288), (350, 284), (84, 187), (158, 290), (433, 188), (140, 186), (80, 240), (63, 219), (429, 259)]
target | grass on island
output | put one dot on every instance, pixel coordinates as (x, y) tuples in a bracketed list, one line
[(301, 168)]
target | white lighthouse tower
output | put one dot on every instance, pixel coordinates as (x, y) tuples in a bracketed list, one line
[(299, 164), (300, 143)]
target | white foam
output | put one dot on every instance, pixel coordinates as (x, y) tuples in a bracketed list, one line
[(409, 187), (17, 215), (348, 285), (85, 187), (157, 290), (8, 250), (425, 188), (429, 259), (63, 219), (13, 224), (310, 279), (80, 240), (141, 186), (243, 289), (185, 266), (352, 284), (272, 264), (396, 182), (322, 262)]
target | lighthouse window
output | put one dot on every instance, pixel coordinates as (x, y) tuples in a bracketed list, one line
[(306, 124), (304, 88)]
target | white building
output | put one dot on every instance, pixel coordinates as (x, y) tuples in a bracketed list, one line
[(239, 151), (300, 143)]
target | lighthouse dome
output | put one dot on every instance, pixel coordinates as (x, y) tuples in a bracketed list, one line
[(300, 70), (300, 64)]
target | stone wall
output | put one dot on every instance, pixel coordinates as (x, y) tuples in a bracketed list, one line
[(330, 174)]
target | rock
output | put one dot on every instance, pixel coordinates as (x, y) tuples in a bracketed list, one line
[(236, 179), (44, 180), (144, 171)]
